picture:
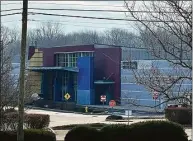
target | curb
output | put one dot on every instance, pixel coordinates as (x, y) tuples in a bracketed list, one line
[(48, 109), (64, 111), (144, 117)]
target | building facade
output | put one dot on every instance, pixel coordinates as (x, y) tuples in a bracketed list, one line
[(140, 60), (84, 72)]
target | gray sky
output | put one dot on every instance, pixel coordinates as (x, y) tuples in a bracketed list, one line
[(69, 24)]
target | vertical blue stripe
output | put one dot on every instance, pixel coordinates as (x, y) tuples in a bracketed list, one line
[(85, 93)]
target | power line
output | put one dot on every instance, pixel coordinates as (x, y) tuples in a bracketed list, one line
[(7, 10), (90, 10), (98, 18), (88, 22), (88, 17), (67, 4), (62, 23), (10, 14)]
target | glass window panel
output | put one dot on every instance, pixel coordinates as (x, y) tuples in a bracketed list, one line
[(73, 60), (79, 54), (70, 64), (84, 53)]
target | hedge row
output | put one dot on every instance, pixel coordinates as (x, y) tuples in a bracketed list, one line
[(31, 121), (90, 110), (71, 126), (37, 121), (179, 115), (29, 135), (142, 131), (113, 117)]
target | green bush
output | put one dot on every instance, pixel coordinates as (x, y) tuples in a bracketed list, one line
[(8, 135), (116, 132), (10, 110), (39, 135), (37, 121), (179, 115), (157, 131), (29, 135), (9, 121), (142, 131), (96, 111), (34, 121), (82, 133), (114, 117), (68, 127), (82, 109)]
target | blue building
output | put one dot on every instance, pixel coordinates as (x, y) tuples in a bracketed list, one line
[(139, 60)]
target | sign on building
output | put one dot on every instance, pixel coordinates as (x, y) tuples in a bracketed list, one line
[(67, 96), (112, 103), (103, 98), (129, 64)]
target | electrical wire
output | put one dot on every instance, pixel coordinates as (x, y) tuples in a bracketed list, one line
[(89, 10), (98, 18), (88, 17), (70, 21), (62, 23), (68, 4), (10, 14)]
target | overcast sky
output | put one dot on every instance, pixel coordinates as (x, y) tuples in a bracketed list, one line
[(69, 24)]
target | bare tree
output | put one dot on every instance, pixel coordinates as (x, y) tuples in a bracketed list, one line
[(166, 31), (47, 34), (83, 37), (120, 37), (50, 34), (8, 87)]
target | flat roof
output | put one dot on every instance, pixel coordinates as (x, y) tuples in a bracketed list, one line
[(72, 69), (103, 82)]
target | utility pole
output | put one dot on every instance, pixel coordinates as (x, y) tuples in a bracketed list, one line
[(128, 112), (1, 66), (20, 132), (0, 81)]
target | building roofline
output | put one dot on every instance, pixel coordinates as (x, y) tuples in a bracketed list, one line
[(82, 45)]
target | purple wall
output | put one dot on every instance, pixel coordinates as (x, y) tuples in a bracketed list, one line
[(108, 64), (48, 53)]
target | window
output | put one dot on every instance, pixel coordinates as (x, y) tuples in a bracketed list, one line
[(130, 65), (70, 59)]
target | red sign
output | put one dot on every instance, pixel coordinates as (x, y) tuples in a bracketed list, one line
[(112, 103), (155, 95), (103, 98)]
